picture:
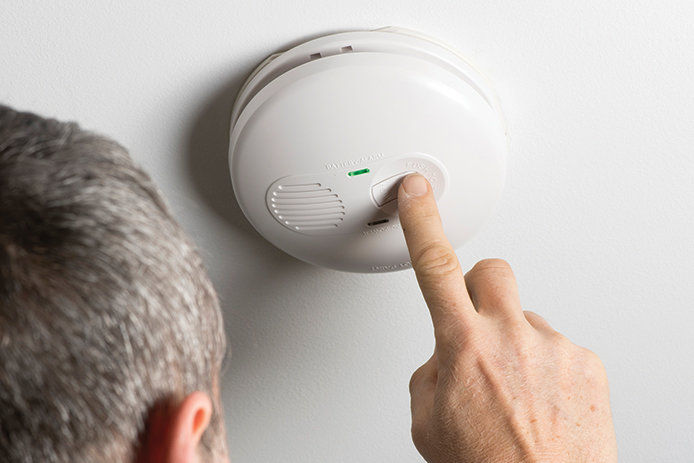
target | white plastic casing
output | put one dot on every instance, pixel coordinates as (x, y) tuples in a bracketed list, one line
[(390, 101)]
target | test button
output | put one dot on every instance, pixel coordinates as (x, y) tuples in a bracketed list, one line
[(386, 190)]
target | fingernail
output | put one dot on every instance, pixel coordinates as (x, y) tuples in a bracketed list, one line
[(415, 185)]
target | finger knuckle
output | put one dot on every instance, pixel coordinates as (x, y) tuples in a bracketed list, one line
[(592, 371), (436, 259), (560, 340), (593, 361), (414, 379), (493, 264)]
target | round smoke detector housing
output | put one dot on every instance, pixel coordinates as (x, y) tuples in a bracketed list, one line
[(322, 134)]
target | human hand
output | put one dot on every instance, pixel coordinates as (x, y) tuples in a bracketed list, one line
[(502, 386)]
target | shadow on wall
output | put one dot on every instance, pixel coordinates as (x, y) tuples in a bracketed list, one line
[(252, 275), (207, 147), (207, 155)]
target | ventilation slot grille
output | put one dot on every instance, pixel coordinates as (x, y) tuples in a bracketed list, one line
[(309, 207)]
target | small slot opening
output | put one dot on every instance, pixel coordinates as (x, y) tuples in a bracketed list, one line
[(378, 222), (315, 56), (346, 49), (354, 173)]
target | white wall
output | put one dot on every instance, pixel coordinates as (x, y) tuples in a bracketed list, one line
[(597, 217)]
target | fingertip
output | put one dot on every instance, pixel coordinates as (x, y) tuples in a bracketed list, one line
[(415, 185), (415, 198)]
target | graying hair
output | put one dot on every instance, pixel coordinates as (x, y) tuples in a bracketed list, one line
[(105, 307)]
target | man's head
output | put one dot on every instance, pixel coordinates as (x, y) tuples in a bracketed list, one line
[(108, 321)]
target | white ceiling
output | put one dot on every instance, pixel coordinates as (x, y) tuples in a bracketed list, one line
[(596, 219)]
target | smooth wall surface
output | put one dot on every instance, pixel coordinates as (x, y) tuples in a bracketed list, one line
[(597, 218)]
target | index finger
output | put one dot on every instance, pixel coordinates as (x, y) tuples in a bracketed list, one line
[(434, 261)]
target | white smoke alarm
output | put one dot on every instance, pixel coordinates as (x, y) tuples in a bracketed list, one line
[(322, 134)]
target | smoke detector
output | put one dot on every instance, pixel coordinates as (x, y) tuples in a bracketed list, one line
[(322, 134)]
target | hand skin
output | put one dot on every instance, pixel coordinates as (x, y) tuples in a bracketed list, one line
[(502, 385)]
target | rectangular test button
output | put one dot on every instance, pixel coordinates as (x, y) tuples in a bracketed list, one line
[(386, 190)]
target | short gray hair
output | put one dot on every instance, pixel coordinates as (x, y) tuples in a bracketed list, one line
[(105, 307)]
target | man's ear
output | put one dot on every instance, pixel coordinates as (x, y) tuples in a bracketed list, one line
[(189, 421), (174, 430)]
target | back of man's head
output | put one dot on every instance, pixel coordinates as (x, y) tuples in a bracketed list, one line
[(105, 308)]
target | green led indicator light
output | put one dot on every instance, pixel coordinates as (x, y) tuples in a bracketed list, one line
[(354, 173)]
